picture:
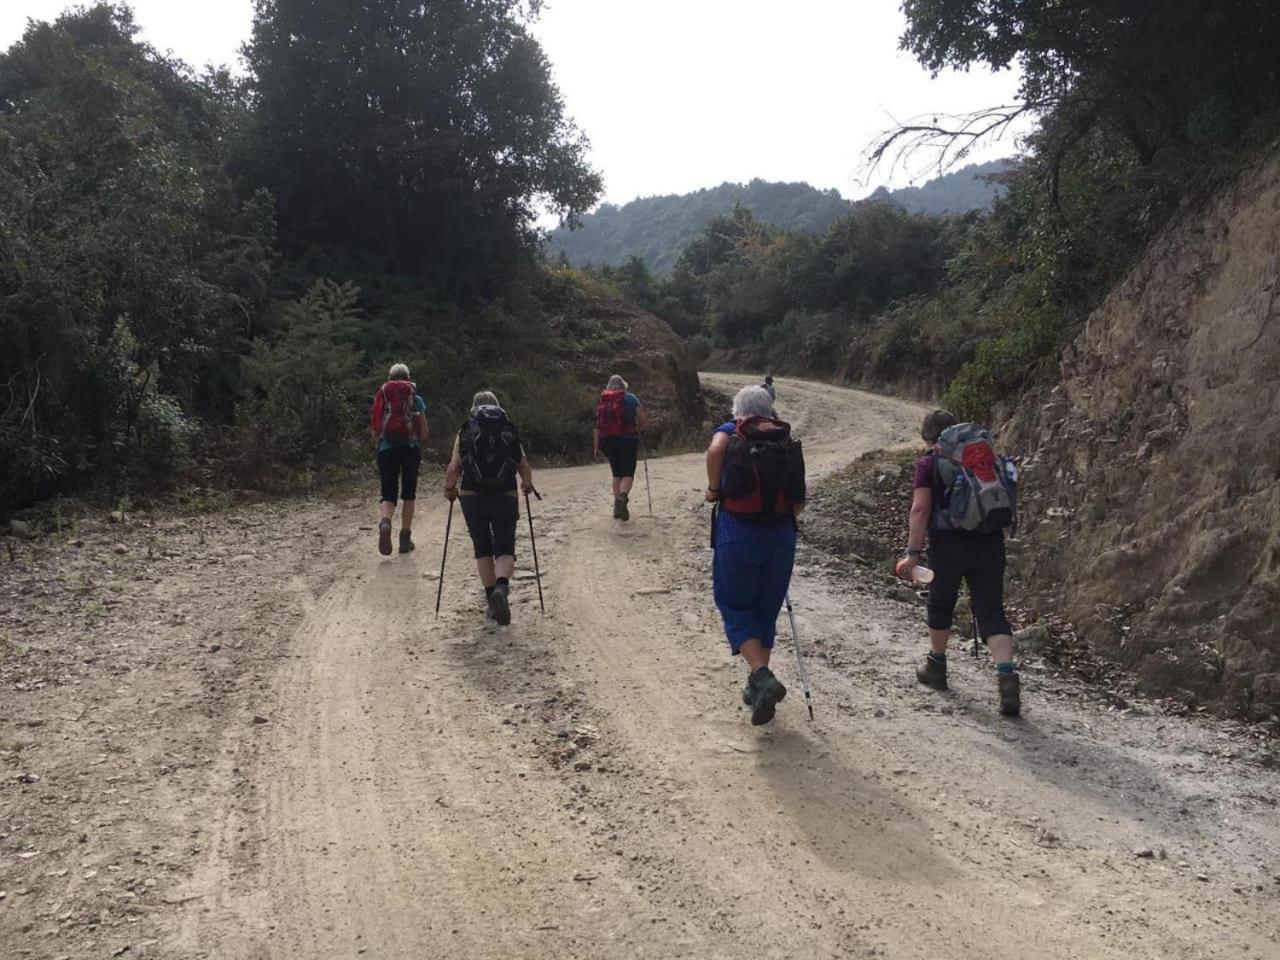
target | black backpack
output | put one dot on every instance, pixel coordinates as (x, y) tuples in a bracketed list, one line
[(763, 470), (489, 449)]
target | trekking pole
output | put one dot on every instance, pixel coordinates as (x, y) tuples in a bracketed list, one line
[(973, 617), (804, 676), (444, 556), (644, 452), (533, 541)]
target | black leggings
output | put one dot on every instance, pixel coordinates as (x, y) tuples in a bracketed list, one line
[(622, 453), (491, 521), (398, 467), (977, 559)]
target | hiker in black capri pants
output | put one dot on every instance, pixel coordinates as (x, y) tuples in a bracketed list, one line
[(975, 556), (619, 420), (488, 459), (398, 422)]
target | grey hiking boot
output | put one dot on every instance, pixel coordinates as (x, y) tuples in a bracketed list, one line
[(1010, 694), (406, 541), (499, 607), (767, 692), (626, 514), (384, 537), (932, 673)]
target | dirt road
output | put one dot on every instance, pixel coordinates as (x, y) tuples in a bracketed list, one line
[(274, 751)]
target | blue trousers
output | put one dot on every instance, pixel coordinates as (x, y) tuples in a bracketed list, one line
[(751, 574)]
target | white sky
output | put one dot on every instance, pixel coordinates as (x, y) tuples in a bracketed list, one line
[(681, 94)]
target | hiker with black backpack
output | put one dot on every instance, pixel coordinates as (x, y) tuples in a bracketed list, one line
[(619, 421), (965, 497), (755, 477), (488, 459), (398, 422)]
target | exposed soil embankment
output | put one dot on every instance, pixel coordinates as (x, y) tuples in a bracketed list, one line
[(1153, 469)]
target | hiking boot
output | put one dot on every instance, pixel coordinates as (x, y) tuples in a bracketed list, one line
[(767, 692), (932, 674), (384, 537), (406, 541), (1010, 694), (499, 608), (626, 514), (618, 507)]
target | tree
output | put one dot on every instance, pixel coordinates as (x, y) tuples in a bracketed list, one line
[(424, 135)]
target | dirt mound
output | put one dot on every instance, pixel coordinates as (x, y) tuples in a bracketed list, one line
[(1153, 500), (649, 355)]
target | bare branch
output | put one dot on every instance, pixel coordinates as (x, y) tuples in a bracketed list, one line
[(949, 139)]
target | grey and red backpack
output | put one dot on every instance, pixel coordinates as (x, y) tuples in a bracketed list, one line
[(976, 488)]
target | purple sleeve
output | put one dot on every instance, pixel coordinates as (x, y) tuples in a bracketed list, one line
[(924, 472)]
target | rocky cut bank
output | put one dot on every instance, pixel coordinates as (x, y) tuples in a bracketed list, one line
[(1153, 467)]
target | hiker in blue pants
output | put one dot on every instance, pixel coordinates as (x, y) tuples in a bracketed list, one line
[(755, 475)]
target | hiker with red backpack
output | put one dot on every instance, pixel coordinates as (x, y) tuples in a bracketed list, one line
[(488, 459), (755, 477), (398, 422), (965, 497), (619, 421)]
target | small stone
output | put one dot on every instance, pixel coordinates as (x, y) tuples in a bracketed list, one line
[(1145, 853), (1202, 877), (258, 719), (215, 647), (879, 714), (120, 549), (21, 529), (582, 765)]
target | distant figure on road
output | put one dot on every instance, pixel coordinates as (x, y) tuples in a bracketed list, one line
[(619, 421), (398, 422), (488, 457), (755, 476), (964, 497), (768, 385)]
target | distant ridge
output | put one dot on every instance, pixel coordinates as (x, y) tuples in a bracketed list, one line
[(656, 229)]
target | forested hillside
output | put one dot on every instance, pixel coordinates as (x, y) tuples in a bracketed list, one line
[(977, 307), (974, 187), (655, 229), (204, 275)]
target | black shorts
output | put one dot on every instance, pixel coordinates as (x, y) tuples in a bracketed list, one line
[(978, 560), (622, 453), (398, 467), (491, 521)]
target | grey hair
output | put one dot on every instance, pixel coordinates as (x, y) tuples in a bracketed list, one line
[(399, 371), (485, 398), (616, 383), (752, 402)]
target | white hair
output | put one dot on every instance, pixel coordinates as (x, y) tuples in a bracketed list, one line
[(752, 402), (616, 383), (485, 398), (399, 371)]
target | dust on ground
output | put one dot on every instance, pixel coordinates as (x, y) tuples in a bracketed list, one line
[(247, 736)]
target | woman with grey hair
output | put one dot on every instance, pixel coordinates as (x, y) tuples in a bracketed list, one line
[(619, 421), (755, 476), (488, 458), (398, 422)]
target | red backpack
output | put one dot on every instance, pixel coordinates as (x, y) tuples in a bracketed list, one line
[(398, 401), (763, 470), (611, 415)]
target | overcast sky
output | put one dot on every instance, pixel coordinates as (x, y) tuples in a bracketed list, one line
[(681, 94)]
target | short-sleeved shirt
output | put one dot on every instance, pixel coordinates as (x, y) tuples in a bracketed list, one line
[(420, 409)]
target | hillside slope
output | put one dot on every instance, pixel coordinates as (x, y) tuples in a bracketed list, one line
[(1154, 466), (656, 229)]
